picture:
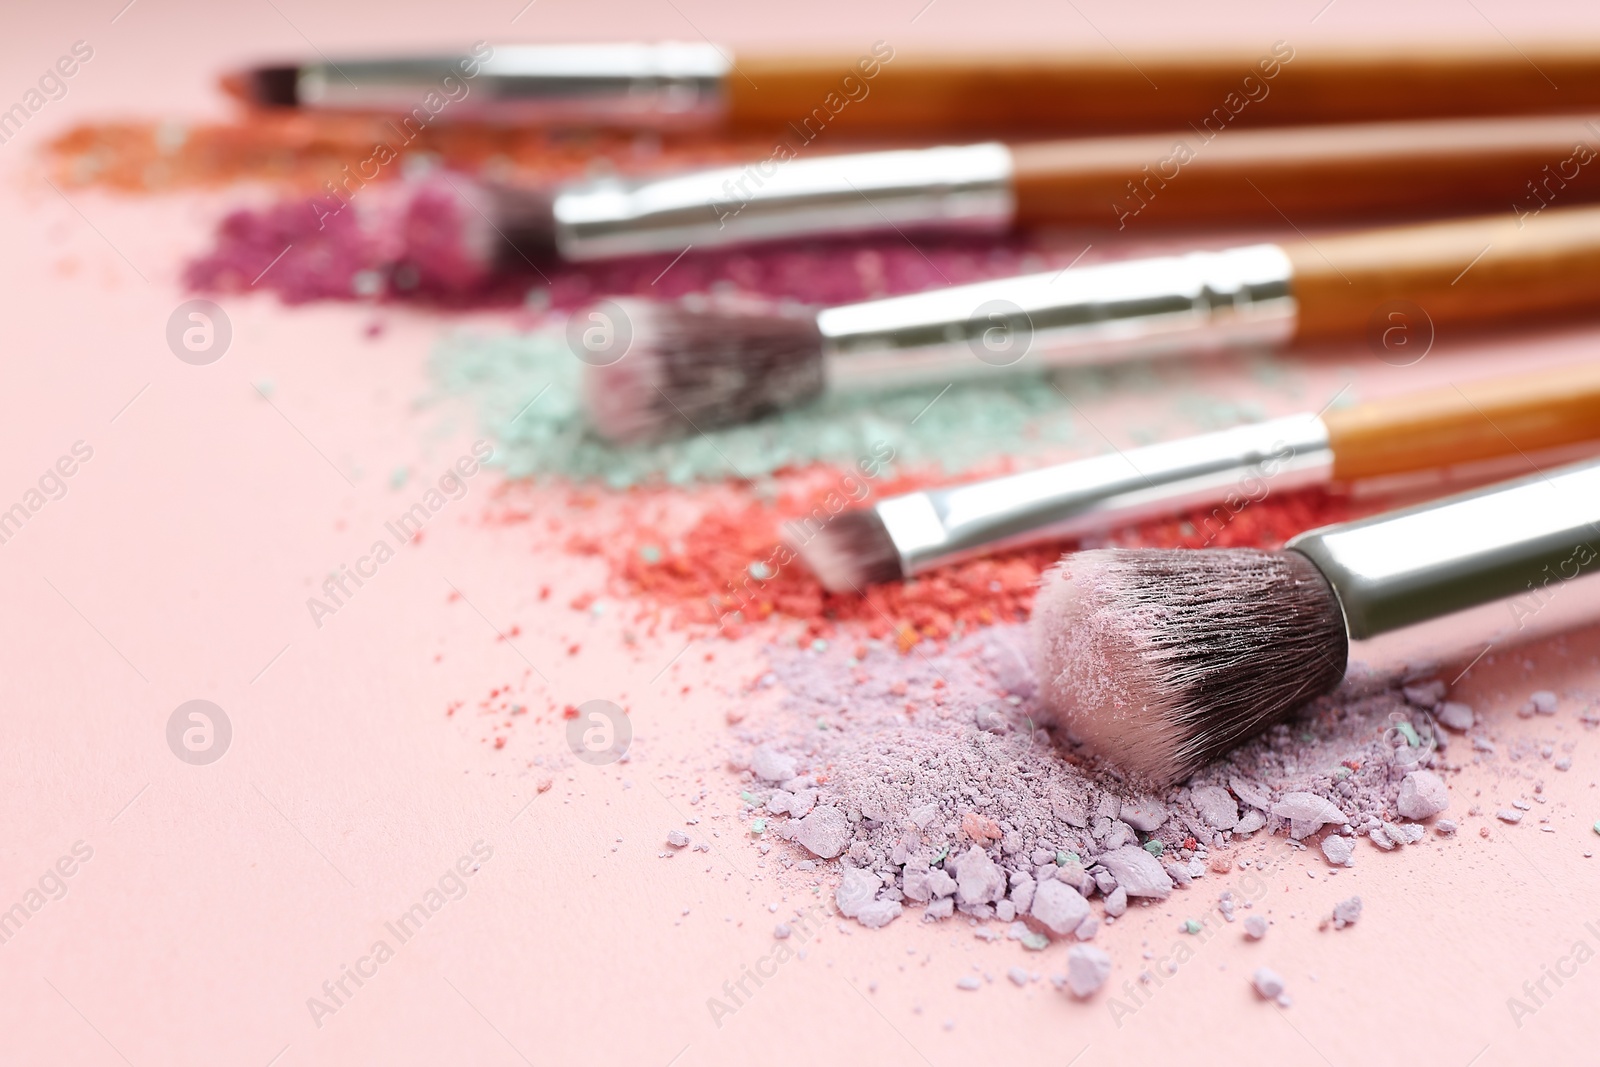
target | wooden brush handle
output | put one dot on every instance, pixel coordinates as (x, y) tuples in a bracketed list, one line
[(1309, 174), (1477, 421), (1442, 274), (1274, 84)]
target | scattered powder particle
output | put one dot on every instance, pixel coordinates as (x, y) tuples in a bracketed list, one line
[(1346, 912), (1087, 970), (1255, 927), (1445, 827), (1455, 716), (1018, 976), (1215, 806), (1423, 795), (1190, 926), (1144, 814), (824, 832), (1268, 984), (1339, 850), (1307, 813), (1117, 902), (1059, 907), (771, 765), (781, 931), (1508, 815), (968, 982), (1137, 872), (1543, 701), (857, 889), (677, 839)]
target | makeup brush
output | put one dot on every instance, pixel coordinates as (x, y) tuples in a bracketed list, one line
[(876, 90), (1164, 659), (1193, 176), (1463, 428), (658, 370)]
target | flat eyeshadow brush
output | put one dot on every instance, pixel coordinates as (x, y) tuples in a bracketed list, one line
[(878, 91), (657, 370), (1191, 177), (1163, 659), (1450, 428)]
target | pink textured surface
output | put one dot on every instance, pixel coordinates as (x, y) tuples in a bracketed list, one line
[(176, 566)]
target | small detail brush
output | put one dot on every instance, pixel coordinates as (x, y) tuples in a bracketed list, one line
[(659, 370), (1461, 429), (1163, 659), (879, 91), (1311, 174)]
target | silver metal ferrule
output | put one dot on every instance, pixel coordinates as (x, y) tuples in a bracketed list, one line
[(1449, 580), (965, 188), (1229, 469), (1134, 309), (667, 83)]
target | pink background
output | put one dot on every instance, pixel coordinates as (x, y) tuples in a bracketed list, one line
[(176, 567)]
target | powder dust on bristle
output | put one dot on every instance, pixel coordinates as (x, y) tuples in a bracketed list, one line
[(909, 766)]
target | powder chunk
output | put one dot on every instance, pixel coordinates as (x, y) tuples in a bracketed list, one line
[(968, 982), (1250, 822), (1215, 806), (1307, 813), (1425, 695), (1059, 907), (1117, 902), (978, 880), (1455, 715), (1339, 850), (1423, 795), (677, 839), (771, 765), (1269, 984), (1137, 872), (1087, 970), (1543, 701), (878, 913), (1508, 815), (1346, 912), (824, 832), (1251, 794), (1145, 814), (856, 890), (1087, 929), (1255, 927)]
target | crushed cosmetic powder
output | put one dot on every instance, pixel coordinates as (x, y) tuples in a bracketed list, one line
[(527, 392), (724, 567), (929, 775)]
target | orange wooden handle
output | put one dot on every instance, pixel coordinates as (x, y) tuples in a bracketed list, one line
[(1309, 174), (1479, 271), (1109, 92), (1477, 421)]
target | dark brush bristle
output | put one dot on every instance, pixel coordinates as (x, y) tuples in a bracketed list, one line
[(523, 221), (686, 371), (1164, 659), (275, 86), (848, 552)]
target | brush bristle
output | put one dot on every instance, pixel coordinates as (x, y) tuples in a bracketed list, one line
[(523, 221), (849, 552), (272, 86), (1164, 659), (685, 371)]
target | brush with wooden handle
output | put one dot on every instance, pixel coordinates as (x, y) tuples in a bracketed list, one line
[(1309, 174), (1164, 659), (881, 91), (1459, 428), (656, 370)]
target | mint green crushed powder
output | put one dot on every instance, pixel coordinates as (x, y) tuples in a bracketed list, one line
[(500, 374)]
